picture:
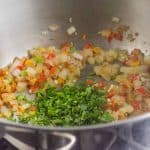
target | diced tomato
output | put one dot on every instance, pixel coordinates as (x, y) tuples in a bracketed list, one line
[(115, 35), (133, 61), (84, 37), (141, 90), (113, 106), (20, 67), (133, 77), (110, 94), (135, 51), (53, 70), (2, 72), (123, 94), (33, 108), (101, 84), (33, 88), (87, 46), (89, 82), (51, 55), (135, 104), (110, 37), (42, 77), (118, 36), (124, 86), (66, 45)]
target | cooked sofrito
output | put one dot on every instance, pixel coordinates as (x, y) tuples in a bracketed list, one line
[(44, 87)]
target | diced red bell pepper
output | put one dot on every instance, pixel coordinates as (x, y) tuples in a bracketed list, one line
[(2, 73), (53, 70), (33, 88), (118, 36), (141, 90), (20, 67), (110, 94), (133, 77), (110, 37), (135, 104), (87, 46), (42, 77), (66, 45), (101, 84), (51, 55), (89, 82)]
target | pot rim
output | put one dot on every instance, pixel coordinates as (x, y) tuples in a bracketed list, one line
[(5, 122)]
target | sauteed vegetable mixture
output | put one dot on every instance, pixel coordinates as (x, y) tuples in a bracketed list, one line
[(43, 88)]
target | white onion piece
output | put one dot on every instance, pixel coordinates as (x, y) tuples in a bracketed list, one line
[(53, 27), (15, 117), (31, 71), (71, 30), (126, 109), (30, 96), (64, 73), (5, 111), (115, 19), (26, 106), (21, 86), (148, 103), (87, 53), (50, 62), (147, 60), (63, 58), (91, 60), (97, 70), (129, 70), (70, 19), (139, 98), (77, 56), (15, 63), (137, 84), (16, 72)]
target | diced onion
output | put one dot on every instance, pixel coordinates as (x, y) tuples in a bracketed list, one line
[(31, 71), (53, 27), (129, 70), (71, 30), (147, 60), (115, 19), (78, 56), (21, 86), (15, 63), (16, 72), (64, 73)]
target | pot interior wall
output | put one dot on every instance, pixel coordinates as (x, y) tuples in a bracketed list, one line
[(21, 23)]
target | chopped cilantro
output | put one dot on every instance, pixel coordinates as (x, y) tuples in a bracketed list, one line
[(21, 97), (106, 117), (68, 106), (73, 49), (37, 59), (23, 73)]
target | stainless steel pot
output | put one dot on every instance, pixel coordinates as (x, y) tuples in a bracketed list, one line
[(21, 24)]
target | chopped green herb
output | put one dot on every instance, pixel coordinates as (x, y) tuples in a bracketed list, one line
[(91, 76), (73, 49), (68, 106), (37, 59), (21, 97), (106, 117), (23, 73)]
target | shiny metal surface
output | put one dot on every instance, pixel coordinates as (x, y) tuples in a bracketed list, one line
[(21, 24)]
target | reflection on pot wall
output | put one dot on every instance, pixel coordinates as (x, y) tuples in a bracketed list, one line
[(23, 21)]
